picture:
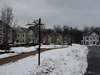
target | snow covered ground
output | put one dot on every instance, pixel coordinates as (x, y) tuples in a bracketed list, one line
[(18, 50), (66, 61)]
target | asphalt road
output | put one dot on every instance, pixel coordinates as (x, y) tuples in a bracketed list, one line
[(94, 60)]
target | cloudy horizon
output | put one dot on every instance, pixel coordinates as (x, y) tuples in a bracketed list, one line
[(75, 13)]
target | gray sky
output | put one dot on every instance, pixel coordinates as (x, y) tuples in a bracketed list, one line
[(74, 13)]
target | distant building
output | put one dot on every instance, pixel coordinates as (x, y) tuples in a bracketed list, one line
[(31, 37), (47, 39), (24, 36), (90, 38), (58, 38), (21, 36), (35, 32), (67, 39)]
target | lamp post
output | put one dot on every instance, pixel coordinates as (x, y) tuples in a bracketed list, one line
[(39, 41), (38, 23), (71, 36)]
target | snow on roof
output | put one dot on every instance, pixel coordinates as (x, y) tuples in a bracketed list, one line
[(89, 33)]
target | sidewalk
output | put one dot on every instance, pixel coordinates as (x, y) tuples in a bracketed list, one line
[(22, 55)]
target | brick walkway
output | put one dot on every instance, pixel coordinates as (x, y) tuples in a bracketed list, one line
[(22, 55)]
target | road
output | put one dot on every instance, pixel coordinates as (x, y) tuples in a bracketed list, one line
[(94, 60)]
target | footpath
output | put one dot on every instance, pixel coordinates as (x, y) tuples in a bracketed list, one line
[(23, 55)]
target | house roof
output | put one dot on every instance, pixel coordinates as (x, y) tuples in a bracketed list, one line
[(35, 28), (25, 29), (89, 33), (20, 29)]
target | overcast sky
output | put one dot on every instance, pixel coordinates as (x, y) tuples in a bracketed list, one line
[(74, 13)]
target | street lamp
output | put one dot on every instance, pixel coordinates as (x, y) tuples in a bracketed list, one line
[(38, 23), (71, 36)]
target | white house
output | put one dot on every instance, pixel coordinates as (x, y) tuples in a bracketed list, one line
[(22, 35), (90, 38)]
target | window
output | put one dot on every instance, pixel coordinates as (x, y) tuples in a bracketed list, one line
[(97, 43), (23, 34), (87, 38), (94, 38), (23, 40), (18, 35), (90, 38), (97, 38)]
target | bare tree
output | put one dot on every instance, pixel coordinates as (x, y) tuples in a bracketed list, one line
[(7, 18), (86, 29), (7, 15)]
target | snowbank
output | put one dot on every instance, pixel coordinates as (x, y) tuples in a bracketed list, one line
[(53, 46), (23, 49), (18, 50), (66, 61)]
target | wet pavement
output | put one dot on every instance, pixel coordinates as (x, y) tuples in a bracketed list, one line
[(93, 61)]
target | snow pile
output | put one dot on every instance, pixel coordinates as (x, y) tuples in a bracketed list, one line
[(53, 46), (70, 61), (66, 61), (18, 50), (7, 55), (23, 49)]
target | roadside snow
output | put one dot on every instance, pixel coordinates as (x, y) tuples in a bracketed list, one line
[(18, 50), (7, 55), (23, 49), (66, 61), (53, 46)]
